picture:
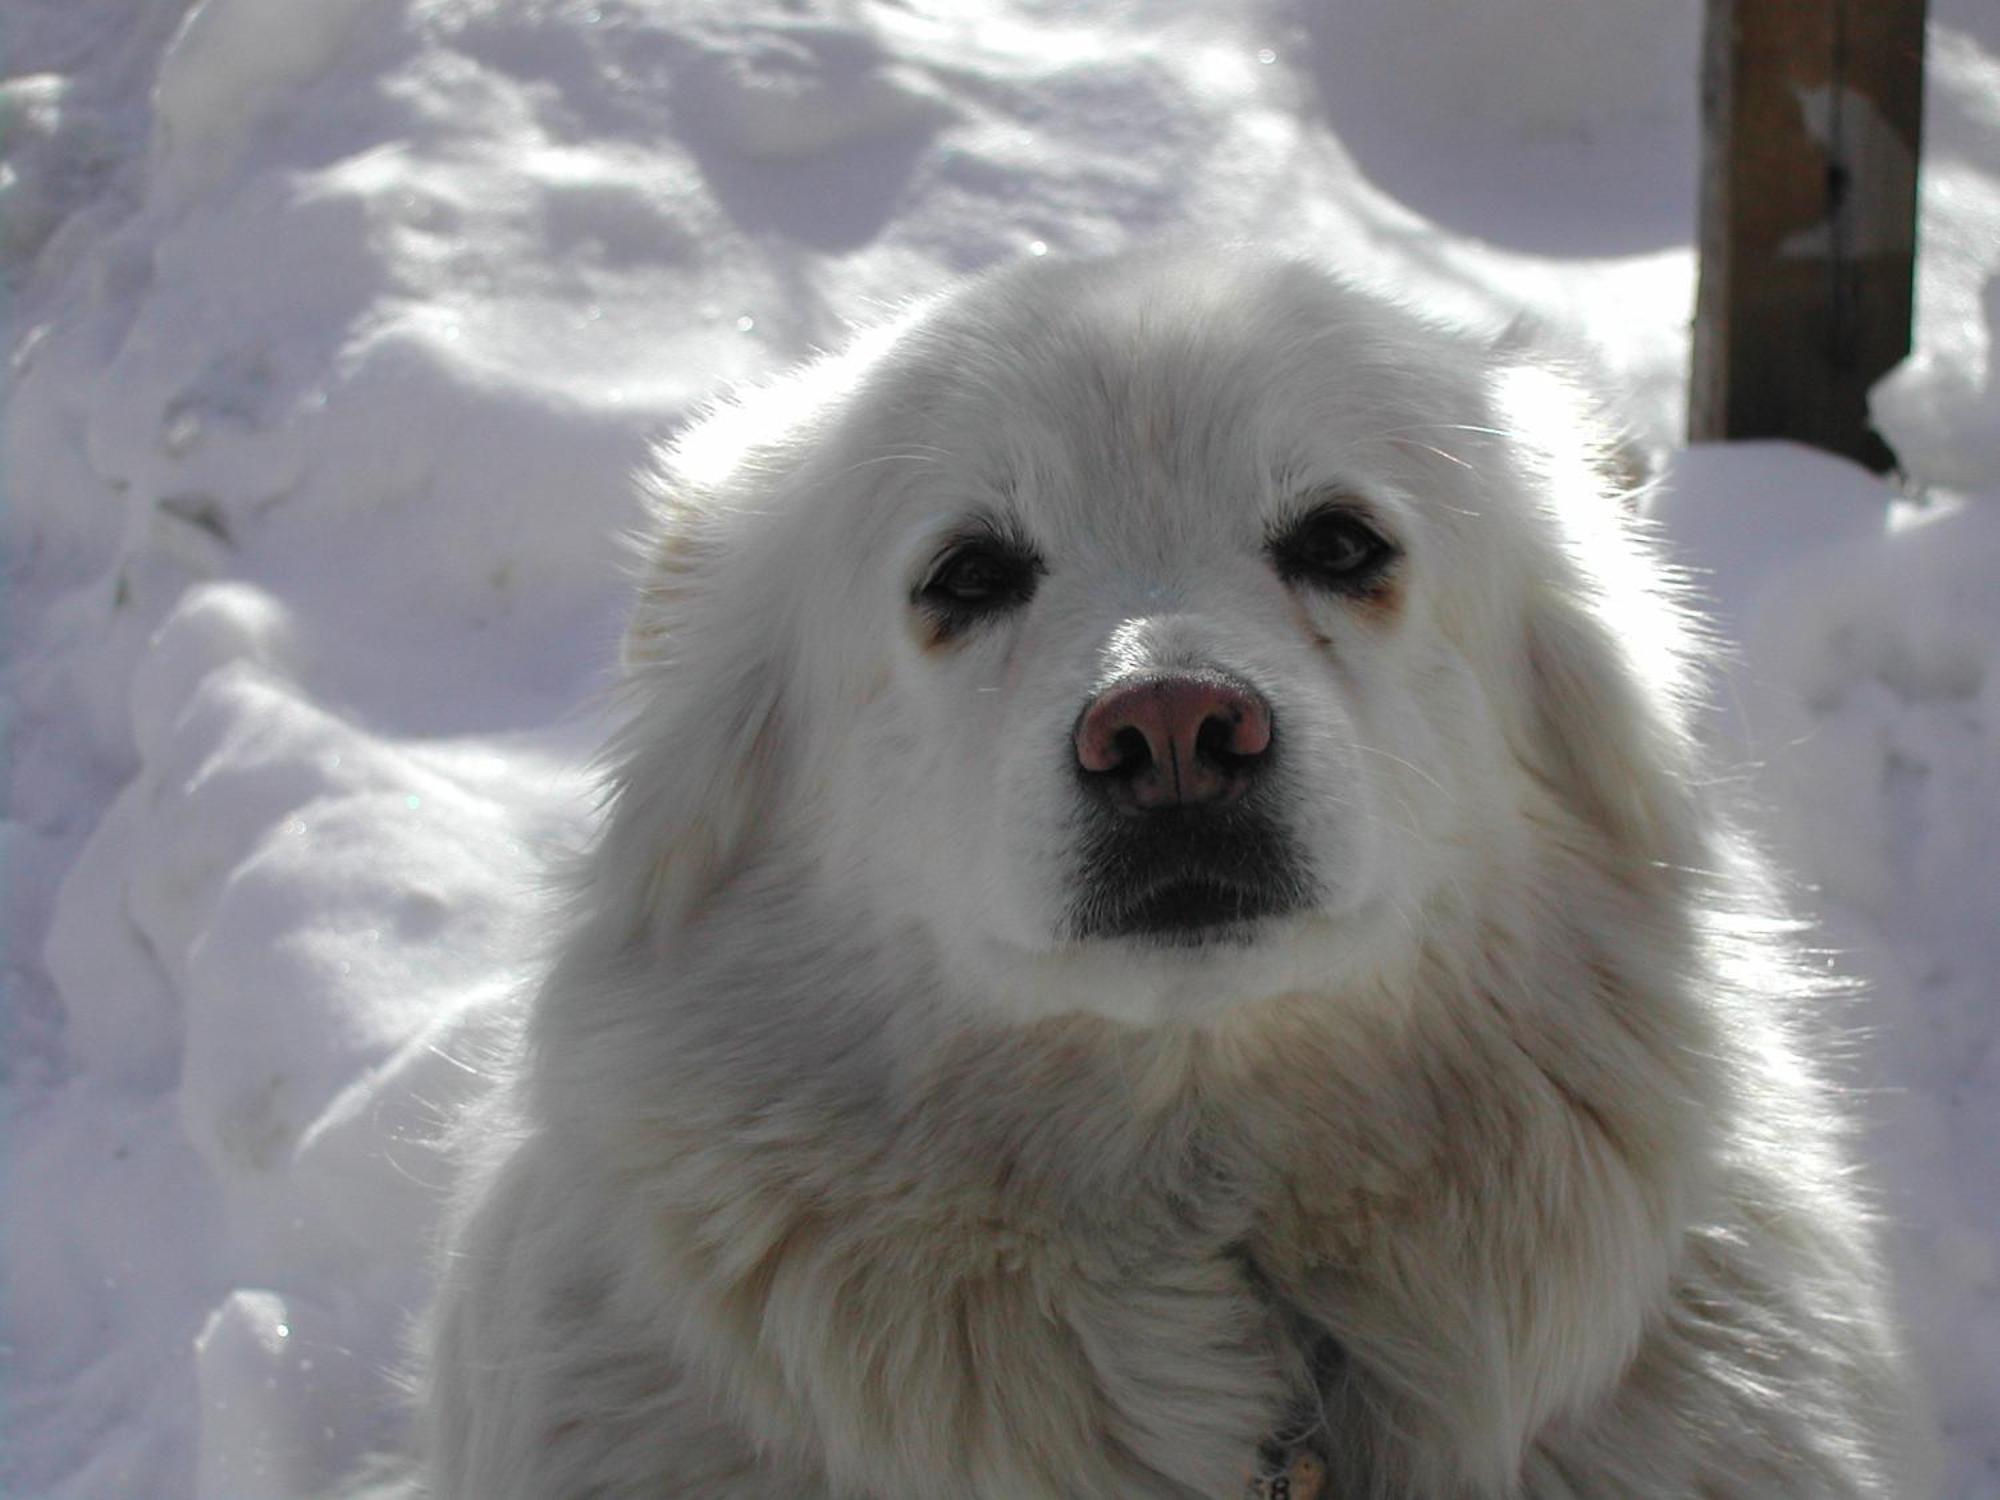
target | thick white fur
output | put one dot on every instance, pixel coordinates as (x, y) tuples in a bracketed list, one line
[(829, 1167)]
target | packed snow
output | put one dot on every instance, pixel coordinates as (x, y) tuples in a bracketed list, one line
[(337, 329)]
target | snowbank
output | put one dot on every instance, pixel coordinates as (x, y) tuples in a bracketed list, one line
[(1862, 714)]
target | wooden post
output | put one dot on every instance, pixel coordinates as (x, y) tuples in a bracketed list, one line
[(1812, 119)]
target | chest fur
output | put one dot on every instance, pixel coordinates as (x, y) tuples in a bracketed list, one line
[(1087, 1266)]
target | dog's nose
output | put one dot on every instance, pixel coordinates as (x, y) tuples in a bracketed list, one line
[(1175, 741)]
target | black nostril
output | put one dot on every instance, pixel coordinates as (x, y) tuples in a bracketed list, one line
[(1212, 742), (1131, 753)]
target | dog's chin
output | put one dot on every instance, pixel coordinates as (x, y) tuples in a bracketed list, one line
[(1185, 912), (1187, 879), (1186, 949)]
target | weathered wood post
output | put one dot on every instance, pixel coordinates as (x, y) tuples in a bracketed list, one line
[(1812, 119)]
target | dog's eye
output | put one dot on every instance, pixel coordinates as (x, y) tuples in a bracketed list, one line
[(975, 578), (1332, 547)]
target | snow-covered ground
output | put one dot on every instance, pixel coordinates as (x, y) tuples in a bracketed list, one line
[(336, 328)]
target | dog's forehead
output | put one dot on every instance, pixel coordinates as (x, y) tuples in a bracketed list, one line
[(1145, 395)]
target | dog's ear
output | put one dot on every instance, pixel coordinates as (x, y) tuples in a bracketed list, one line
[(713, 720), (698, 757), (1605, 734), (1604, 649)]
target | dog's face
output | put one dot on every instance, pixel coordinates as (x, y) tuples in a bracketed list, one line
[(1140, 637), (1162, 694)]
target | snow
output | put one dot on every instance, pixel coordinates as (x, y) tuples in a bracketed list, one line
[(1866, 702), (1863, 709), (337, 327)]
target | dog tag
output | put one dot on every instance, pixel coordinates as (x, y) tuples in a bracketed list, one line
[(1300, 1479)]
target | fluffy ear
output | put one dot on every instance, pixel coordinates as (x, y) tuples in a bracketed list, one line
[(698, 758), (1605, 733), (713, 718), (1604, 646)]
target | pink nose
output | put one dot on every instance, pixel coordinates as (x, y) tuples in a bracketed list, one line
[(1171, 741)]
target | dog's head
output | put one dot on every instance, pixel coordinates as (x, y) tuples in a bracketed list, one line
[(1141, 634)]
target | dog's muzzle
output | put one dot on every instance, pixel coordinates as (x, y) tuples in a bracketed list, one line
[(1180, 842)]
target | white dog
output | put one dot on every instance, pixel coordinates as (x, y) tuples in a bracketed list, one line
[(1159, 932)]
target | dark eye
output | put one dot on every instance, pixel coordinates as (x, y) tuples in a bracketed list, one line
[(1333, 547), (975, 578)]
